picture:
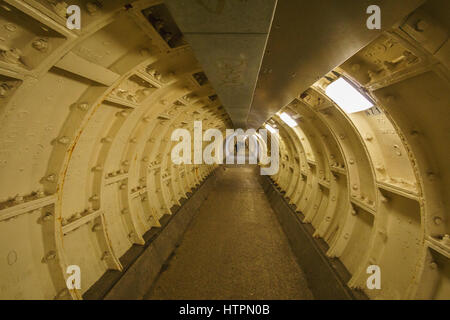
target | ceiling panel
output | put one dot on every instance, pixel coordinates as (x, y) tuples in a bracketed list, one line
[(310, 38), (228, 39)]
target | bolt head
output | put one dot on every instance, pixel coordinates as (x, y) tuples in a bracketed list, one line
[(83, 106), (437, 221), (421, 25)]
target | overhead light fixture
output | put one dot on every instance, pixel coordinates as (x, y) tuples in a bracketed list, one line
[(288, 120), (268, 127), (347, 96)]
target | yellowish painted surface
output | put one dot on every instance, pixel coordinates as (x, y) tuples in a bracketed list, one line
[(85, 124)]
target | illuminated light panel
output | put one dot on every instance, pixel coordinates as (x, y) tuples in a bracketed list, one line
[(347, 97), (288, 120), (268, 127)]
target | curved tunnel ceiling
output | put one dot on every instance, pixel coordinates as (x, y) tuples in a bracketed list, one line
[(85, 139), (308, 39)]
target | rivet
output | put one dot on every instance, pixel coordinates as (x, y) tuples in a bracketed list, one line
[(18, 199), (60, 7), (76, 216), (51, 178), (91, 8), (10, 27), (64, 140), (397, 150), (40, 44), (47, 216), (383, 234), (105, 255), (437, 221), (50, 256), (40, 194), (421, 25), (83, 106)]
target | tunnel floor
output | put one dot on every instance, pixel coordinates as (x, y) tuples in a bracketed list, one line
[(234, 248)]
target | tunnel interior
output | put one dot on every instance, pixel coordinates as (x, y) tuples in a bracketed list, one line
[(87, 176)]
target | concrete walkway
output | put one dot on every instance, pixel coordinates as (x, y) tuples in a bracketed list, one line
[(233, 249)]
